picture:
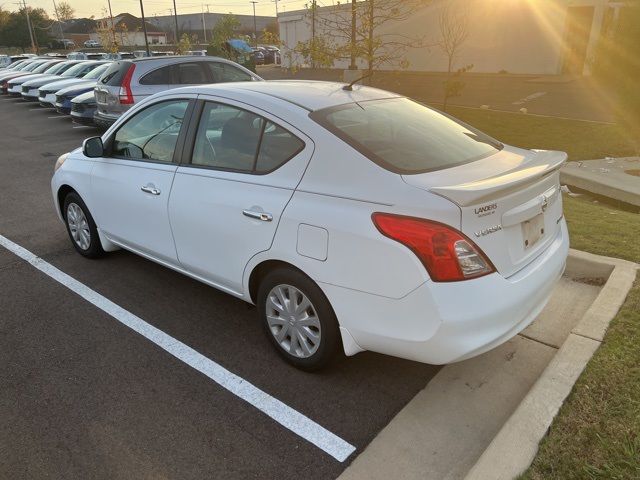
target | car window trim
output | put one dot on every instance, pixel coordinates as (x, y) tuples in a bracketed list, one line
[(190, 141), (179, 142)]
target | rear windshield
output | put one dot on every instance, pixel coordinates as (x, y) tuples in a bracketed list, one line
[(406, 137), (115, 74)]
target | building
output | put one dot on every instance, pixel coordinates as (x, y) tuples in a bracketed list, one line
[(129, 31), (514, 36), (197, 24)]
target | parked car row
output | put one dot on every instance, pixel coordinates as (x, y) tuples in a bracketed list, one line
[(97, 92)]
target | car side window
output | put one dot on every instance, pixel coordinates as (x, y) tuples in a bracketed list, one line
[(190, 74), (152, 133), (277, 147), (230, 138), (222, 72), (227, 138), (160, 76)]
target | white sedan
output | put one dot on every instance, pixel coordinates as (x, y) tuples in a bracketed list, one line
[(354, 218)]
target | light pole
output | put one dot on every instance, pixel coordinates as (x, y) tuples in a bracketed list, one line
[(204, 25), (352, 66), (144, 29), (255, 28), (175, 17)]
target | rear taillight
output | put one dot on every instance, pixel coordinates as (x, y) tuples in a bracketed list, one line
[(447, 254), (126, 95)]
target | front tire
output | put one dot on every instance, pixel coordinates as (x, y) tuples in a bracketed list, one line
[(81, 228), (298, 319)]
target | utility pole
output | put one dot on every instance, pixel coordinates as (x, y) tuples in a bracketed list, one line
[(276, 2), (175, 17), (370, 42), (353, 66), (255, 28), (144, 29), (314, 5), (34, 49), (113, 28), (204, 25)]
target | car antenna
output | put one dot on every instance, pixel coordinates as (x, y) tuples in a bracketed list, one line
[(349, 88)]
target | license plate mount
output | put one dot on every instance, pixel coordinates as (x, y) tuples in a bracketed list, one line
[(532, 230)]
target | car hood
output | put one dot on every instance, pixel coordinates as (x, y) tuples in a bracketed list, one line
[(34, 78), (60, 84), (87, 97), (77, 89), (12, 75), (39, 80)]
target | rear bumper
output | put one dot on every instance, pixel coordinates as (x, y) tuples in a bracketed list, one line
[(441, 323)]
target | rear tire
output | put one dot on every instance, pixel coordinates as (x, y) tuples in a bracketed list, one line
[(81, 228), (298, 319)]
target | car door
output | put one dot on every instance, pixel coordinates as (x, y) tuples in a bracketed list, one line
[(239, 171), (130, 186)]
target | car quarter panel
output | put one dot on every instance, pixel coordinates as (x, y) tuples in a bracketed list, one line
[(338, 193)]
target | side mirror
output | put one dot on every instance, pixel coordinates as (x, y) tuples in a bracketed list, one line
[(92, 147)]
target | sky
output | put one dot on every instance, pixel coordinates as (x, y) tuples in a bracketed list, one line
[(86, 8)]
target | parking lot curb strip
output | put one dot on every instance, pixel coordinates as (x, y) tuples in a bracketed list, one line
[(515, 446)]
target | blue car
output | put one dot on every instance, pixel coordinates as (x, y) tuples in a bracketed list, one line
[(64, 96)]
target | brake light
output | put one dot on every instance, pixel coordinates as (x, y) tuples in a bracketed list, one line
[(447, 254), (126, 95)]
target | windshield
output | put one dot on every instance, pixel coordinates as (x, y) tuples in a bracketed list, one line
[(406, 137), (33, 66), (44, 67), (96, 72), (59, 68), (76, 70)]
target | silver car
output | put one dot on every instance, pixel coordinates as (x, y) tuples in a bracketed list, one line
[(127, 82)]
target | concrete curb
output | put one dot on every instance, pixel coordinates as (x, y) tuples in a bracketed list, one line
[(515, 446)]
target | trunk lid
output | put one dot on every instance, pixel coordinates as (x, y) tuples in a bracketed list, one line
[(510, 202)]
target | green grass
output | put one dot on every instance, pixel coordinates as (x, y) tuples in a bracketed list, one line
[(581, 140), (596, 434)]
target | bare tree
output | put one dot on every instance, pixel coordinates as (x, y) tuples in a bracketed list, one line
[(454, 31), (65, 12), (334, 33)]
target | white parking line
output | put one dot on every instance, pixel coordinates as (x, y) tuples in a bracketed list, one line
[(58, 116), (83, 126), (274, 408)]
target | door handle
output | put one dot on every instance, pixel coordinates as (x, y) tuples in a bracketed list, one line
[(150, 189), (265, 217)]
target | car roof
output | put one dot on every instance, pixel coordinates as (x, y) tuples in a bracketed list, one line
[(308, 94), (164, 58)]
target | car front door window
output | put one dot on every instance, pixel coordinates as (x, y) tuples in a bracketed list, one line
[(152, 134)]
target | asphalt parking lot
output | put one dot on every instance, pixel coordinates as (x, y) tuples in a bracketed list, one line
[(84, 396)]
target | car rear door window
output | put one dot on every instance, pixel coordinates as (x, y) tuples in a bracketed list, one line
[(230, 138), (115, 74), (221, 72), (277, 147), (160, 76), (190, 74), (152, 133)]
